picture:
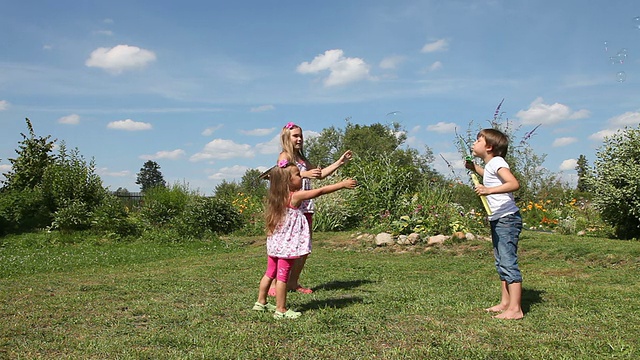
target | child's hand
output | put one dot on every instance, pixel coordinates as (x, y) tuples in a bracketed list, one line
[(346, 156), (314, 173), (349, 183), (469, 164), (482, 190)]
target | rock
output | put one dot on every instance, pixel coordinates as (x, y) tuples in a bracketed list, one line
[(384, 239), (414, 238), (581, 233), (438, 239), (469, 236), (403, 240), (458, 235)]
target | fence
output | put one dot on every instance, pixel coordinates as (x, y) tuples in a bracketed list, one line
[(130, 199)]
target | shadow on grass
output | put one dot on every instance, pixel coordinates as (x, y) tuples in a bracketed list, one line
[(530, 297), (334, 303), (341, 285)]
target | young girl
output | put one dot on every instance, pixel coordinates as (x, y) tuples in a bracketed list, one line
[(289, 237), (292, 141)]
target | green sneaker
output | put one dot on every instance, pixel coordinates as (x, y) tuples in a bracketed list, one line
[(264, 307), (290, 314)]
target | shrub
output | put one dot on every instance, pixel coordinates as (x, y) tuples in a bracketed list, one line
[(22, 210), (251, 209), (202, 214), (616, 184), (335, 211), (72, 215), (162, 204), (113, 218)]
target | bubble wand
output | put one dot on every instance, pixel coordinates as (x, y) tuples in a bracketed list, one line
[(474, 177)]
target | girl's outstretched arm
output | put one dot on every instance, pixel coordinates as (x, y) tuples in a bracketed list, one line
[(333, 167), (298, 196)]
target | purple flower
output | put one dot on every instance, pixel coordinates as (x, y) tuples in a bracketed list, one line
[(290, 125), (283, 163)]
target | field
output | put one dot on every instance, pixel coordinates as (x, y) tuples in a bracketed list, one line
[(97, 299)]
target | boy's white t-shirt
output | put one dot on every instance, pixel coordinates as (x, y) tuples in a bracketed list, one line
[(500, 204)]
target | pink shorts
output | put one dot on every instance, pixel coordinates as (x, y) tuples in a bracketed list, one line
[(278, 268)]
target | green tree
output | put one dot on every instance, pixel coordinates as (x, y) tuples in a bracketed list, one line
[(582, 168), (34, 156), (150, 176), (252, 185), (227, 190), (616, 184)]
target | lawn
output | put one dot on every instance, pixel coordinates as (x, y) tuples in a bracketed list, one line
[(134, 300)]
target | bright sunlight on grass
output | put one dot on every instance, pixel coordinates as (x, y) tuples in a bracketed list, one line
[(108, 300)]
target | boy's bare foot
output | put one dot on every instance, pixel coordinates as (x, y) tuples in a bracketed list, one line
[(497, 308), (510, 315)]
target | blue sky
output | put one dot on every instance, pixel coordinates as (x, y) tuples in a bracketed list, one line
[(204, 87)]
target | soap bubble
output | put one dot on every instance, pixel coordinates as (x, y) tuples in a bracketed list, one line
[(606, 46), (621, 76), (636, 22)]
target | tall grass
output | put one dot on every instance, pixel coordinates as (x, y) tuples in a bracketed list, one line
[(104, 300)]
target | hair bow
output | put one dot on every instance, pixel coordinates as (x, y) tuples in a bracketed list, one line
[(283, 163), (290, 125)]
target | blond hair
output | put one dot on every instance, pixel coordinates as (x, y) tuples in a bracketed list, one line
[(288, 149), (278, 197)]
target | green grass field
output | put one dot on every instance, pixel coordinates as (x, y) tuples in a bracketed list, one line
[(102, 300)]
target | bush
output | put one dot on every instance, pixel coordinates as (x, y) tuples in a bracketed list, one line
[(202, 214), (22, 210), (113, 218), (72, 215), (335, 211), (162, 204), (616, 184)]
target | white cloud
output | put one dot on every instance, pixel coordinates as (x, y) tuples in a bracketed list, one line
[(628, 119), (120, 58), (541, 113), (263, 108), (438, 45), (107, 21), (4, 168), (223, 149), (569, 164), (342, 70), (210, 130), (257, 132), (47, 47), (563, 141), (600, 135), (270, 147), (391, 62), (164, 154), (233, 172), (106, 172), (72, 119), (442, 127), (104, 32), (435, 66), (129, 125), (4, 105)]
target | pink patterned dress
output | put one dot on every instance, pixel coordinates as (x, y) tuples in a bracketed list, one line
[(307, 205), (291, 238)]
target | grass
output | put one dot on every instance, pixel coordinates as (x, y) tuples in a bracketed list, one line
[(135, 300)]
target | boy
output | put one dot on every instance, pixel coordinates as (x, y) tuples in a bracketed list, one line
[(506, 223)]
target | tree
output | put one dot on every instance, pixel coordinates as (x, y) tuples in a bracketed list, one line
[(150, 176), (34, 156), (251, 184), (616, 184), (582, 168), (227, 190)]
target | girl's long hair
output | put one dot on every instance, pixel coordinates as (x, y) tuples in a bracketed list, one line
[(278, 197), (287, 146)]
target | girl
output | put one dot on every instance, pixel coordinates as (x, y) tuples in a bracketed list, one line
[(289, 236), (292, 141)]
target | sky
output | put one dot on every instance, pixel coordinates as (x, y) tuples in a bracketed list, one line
[(203, 88)]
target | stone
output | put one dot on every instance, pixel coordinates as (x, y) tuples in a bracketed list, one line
[(384, 239)]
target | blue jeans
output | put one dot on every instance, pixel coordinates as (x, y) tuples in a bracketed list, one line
[(505, 234)]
